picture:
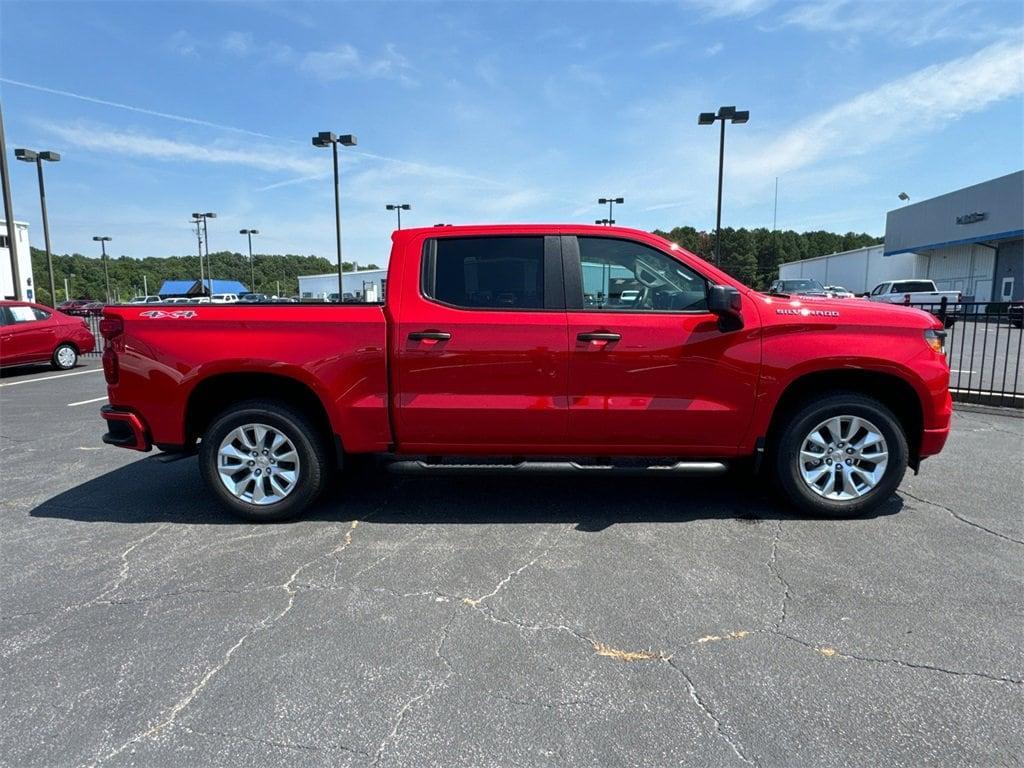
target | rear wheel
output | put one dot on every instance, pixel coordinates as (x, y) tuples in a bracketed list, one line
[(264, 460), (64, 357), (841, 455)]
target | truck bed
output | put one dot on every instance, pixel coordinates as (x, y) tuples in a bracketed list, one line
[(173, 359)]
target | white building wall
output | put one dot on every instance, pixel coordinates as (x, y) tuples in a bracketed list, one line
[(858, 270), (320, 286), (965, 268), (24, 264)]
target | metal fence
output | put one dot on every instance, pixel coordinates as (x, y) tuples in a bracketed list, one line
[(983, 346), (93, 321)]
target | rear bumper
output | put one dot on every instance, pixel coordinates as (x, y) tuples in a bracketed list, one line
[(125, 429)]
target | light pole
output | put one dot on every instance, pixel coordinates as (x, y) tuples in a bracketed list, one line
[(328, 139), (252, 269), (12, 230), (904, 197), (604, 222), (30, 156), (399, 207), (200, 218), (611, 201), (103, 240), (725, 114)]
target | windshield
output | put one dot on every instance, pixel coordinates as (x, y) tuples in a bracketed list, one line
[(798, 286)]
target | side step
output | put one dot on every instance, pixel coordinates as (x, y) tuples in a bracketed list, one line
[(540, 467)]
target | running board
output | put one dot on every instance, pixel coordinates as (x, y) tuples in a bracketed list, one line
[(419, 467)]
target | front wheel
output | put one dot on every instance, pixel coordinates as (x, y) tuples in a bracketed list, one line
[(65, 357), (263, 460), (841, 455)]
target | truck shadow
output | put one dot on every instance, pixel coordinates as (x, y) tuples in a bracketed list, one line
[(149, 491)]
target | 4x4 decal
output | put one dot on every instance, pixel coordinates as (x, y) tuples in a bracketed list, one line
[(181, 314)]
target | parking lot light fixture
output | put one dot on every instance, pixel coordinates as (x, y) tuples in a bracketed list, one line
[(30, 156), (103, 240), (252, 269), (731, 115), (398, 207), (328, 139), (611, 201)]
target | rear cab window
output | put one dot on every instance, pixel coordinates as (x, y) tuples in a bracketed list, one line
[(913, 286), (492, 272)]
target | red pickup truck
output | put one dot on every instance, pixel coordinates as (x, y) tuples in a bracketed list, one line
[(574, 348)]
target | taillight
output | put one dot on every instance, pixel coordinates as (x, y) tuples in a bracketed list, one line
[(906, 298), (111, 368), (111, 327), (959, 297)]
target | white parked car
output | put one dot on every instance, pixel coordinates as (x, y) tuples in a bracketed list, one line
[(224, 298), (838, 292), (177, 300), (146, 300), (199, 300)]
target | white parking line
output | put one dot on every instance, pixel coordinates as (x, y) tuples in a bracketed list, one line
[(47, 378), (86, 402), (954, 370)]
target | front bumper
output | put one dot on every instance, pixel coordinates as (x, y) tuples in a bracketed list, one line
[(125, 429)]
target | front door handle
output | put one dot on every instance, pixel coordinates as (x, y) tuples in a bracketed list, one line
[(429, 336), (598, 336)]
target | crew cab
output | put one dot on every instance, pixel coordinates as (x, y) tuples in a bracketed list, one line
[(527, 347), (921, 293)]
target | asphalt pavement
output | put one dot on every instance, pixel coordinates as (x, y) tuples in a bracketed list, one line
[(499, 621)]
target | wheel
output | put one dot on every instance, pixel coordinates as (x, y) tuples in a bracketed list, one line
[(264, 460), (64, 357), (840, 456)]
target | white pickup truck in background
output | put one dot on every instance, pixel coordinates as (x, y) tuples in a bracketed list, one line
[(918, 292)]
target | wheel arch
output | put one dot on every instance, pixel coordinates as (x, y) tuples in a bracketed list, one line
[(893, 391), (215, 393)]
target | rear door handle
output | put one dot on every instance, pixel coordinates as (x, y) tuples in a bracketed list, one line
[(598, 336), (429, 336)]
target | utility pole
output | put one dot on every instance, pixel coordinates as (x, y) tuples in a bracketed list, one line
[(12, 235)]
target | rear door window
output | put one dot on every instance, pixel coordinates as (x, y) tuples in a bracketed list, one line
[(486, 272), (19, 313)]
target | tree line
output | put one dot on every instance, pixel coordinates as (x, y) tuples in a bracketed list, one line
[(86, 279), (752, 256)]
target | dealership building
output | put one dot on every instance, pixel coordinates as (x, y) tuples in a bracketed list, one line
[(970, 240), (24, 262)]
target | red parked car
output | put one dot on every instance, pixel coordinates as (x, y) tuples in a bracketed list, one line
[(31, 333), (557, 348), (75, 307)]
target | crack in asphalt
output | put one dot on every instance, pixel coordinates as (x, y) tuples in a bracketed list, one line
[(703, 706), (962, 519), (828, 651), (169, 717), (773, 568), (122, 575), (431, 687)]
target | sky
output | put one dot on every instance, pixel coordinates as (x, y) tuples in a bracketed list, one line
[(478, 112)]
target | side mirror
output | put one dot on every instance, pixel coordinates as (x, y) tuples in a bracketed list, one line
[(725, 301)]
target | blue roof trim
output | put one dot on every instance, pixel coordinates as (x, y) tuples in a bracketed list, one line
[(980, 239)]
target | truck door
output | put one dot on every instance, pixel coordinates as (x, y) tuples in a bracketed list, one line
[(650, 372), (481, 344)]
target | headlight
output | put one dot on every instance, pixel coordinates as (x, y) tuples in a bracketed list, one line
[(936, 340)]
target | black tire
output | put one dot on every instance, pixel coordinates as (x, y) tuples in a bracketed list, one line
[(309, 443), (62, 351), (799, 423)]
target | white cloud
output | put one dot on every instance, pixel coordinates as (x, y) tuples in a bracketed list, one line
[(183, 44), (909, 23), (109, 140), (739, 8), (923, 101), (715, 49), (237, 43), (345, 61)]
